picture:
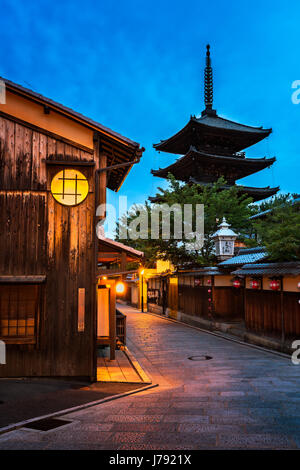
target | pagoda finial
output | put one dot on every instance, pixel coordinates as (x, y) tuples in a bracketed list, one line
[(208, 81)]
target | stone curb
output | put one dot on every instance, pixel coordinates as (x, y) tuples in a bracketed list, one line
[(15, 426), (137, 367)]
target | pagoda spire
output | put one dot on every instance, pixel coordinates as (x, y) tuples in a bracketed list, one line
[(208, 84)]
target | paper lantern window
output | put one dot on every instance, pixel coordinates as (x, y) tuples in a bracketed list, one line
[(69, 187)]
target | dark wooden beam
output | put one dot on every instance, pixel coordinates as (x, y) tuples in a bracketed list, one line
[(22, 279), (68, 163)]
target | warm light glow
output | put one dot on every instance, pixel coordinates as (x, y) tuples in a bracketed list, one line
[(69, 187), (142, 272), (255, 284), (237, 283), (104, 278), (120, 287), (275, 284)]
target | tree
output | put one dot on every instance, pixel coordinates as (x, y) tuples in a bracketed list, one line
[(275, 201), (217, 203), (279, 230)]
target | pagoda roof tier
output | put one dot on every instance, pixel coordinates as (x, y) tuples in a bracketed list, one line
[(257, 194), (208, 168), (212, 133)]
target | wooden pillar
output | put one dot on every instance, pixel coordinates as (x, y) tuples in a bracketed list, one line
[(101, 176), (112, 319), (100, 198), (102, 179), (123, 261)]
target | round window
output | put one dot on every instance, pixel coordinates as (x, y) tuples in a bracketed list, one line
[(69, 187)]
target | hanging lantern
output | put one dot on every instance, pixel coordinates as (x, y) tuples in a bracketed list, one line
[(237, 283), (298, 285), (275, 284), (208, 281), (255, 284)]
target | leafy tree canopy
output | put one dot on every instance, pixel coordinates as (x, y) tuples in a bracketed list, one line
[(217, 203), (279, 230)]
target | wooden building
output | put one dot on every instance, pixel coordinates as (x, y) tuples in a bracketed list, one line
[(113, 260), (55, 166), (272, 298), (264, 298)]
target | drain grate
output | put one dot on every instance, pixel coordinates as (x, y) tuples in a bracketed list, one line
[(47, 424), (203, 357)]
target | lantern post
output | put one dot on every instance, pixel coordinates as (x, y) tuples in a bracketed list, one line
[(224, 239)]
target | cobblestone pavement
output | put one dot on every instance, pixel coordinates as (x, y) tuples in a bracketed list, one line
[(241, 398)]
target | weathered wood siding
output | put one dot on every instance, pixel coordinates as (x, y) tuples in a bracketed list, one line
[(22, 151), (291, 308), (173, 297), (23, 233), (263, 313), (40, 236), (228, 303), (193, 300)]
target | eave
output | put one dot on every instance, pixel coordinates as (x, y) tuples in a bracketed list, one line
[(194, 161), (291, 268), (200, 130), (257, 194), (119, 149)]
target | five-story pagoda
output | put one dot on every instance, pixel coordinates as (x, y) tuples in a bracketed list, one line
[(212, 147)]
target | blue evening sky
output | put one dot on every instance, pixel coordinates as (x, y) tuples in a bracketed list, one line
[(137, 67)]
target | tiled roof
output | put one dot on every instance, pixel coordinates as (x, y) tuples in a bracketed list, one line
[(261, 214), (121, 246), (194, 158), (269, 269), (246, 256), (206, 271), (222, 123)]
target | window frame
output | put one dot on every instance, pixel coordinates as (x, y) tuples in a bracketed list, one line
[(37, 281)]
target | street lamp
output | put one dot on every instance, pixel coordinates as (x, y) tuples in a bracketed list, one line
[(224, 239), (120, 288), (142, 274)]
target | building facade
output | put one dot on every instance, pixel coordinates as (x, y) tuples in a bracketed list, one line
[(55, 166)]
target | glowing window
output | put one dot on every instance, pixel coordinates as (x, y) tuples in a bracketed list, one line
[(19, 312), (69, 187)]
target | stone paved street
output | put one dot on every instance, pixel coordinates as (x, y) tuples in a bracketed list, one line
[(241, 398)]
